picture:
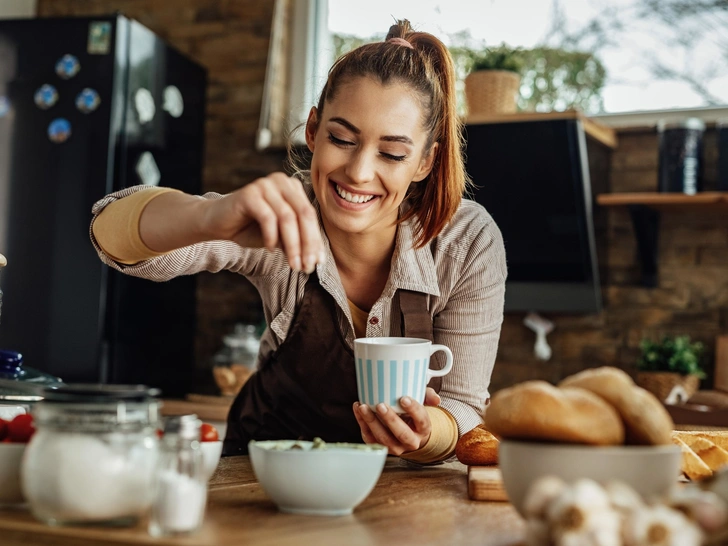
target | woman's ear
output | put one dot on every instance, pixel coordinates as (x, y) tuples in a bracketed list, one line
[(311, 128), (426, 164)]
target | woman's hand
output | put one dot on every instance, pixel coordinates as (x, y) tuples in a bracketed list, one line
[(274, 212), (399, 433)]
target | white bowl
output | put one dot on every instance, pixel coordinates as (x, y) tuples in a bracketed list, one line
[(210, 457), (650, 470), (11, 455), (328, 482)]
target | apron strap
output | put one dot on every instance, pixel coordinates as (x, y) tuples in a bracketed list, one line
[(416, 320)]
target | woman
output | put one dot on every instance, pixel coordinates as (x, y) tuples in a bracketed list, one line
[(376, 241)]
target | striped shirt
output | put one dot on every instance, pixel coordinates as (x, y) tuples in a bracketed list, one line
[(462, 270)]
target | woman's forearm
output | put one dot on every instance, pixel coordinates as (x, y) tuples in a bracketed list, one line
[(173, 220)]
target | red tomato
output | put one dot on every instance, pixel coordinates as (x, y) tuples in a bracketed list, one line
[(21, 428), (208, 433), (160, 433), (3, 428)]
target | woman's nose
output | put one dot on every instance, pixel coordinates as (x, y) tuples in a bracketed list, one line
[(360, 167)]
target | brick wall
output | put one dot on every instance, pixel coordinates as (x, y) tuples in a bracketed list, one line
[(230, 38)]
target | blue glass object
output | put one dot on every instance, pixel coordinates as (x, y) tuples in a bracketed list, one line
[(88, 100), (11, 364), (4, 106), (59, 130), (46, 96), (68, 66)]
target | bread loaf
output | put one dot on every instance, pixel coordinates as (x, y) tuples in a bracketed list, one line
[(537, 410), (477, 447), (646, 421)]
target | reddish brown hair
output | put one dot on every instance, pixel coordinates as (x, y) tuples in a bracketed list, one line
[(427, 68)]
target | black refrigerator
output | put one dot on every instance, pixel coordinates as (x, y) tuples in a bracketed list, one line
[(89, 106)]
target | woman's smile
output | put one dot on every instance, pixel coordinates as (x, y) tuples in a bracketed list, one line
[(351, 199)]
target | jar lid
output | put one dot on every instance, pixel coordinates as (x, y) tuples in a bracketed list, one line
[(187, 427), (242, 336), (86, 393), (687, 123)]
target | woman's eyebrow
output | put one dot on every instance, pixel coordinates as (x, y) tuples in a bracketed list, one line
[(387, 138)]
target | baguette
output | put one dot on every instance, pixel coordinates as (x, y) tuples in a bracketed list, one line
[(691, 465), (718, 437), (714, 456)]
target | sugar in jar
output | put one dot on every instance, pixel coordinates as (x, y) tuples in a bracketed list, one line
[(93, 457)]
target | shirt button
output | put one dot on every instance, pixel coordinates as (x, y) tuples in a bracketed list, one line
[(374, 320)]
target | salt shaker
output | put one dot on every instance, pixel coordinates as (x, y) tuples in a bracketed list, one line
[(181, 487)]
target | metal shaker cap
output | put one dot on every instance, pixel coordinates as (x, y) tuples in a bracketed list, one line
[(187, 427)]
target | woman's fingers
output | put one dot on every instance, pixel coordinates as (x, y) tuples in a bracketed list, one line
[(431, 397), (277, 209), (385, 427)]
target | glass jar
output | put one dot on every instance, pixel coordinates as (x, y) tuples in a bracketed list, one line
[(93, 457), (235, 362), (181, 484), (681, 156)]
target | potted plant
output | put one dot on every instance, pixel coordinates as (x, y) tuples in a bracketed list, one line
[(491, 87), (665, 364)]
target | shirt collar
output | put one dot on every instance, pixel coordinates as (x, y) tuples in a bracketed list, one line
[(413, 268)]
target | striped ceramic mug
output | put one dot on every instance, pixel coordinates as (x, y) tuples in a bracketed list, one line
[(388, 368)]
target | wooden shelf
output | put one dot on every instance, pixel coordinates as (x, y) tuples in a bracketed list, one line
[(645, 209), (714, 199), (601, 133)]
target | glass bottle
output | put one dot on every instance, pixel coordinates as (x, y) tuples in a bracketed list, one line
[(181, 488)]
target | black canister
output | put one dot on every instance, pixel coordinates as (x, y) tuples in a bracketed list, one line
[(681, 156), (722, 129)]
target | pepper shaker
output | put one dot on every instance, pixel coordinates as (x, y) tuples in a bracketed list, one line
[(181, 487)]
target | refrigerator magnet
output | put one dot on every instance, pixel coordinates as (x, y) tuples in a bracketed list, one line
[(67, 66), (99, 38), (88, 100), (46, 96), (147, 170), (173, 101), (144, 102), (59, 130)]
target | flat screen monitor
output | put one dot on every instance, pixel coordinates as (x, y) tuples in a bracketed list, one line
[(533, 178)]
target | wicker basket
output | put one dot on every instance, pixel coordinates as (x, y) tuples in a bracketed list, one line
[(491, 92), (661, 383)]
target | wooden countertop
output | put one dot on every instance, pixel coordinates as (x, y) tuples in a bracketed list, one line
[(408, 506)]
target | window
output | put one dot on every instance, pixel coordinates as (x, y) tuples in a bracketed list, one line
[(298, 61)]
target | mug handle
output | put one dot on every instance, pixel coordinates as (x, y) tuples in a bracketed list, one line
[(448, 365)]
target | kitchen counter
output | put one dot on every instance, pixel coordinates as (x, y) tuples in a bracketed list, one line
[(408, 506)]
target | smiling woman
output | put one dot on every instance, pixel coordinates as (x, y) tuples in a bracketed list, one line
[(372, 238)]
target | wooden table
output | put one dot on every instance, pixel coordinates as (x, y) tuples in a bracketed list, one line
[(408, 506)]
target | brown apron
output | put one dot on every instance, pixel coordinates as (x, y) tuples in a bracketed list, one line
[(307, 387)]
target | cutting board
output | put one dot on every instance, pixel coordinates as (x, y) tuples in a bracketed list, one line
[(486, 484)]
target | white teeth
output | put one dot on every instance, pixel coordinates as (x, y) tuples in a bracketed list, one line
[(351, 198)]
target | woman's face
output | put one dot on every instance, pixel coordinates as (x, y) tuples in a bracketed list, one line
[(368, 147)]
